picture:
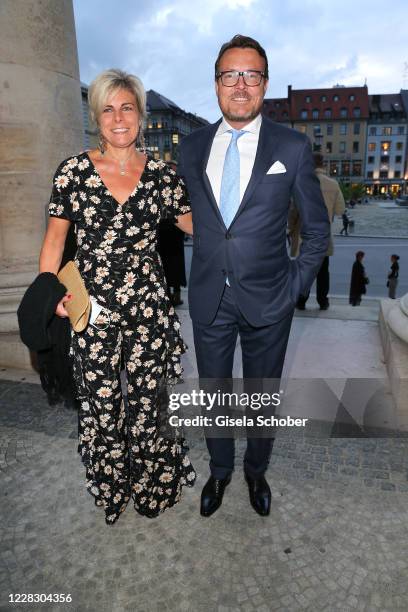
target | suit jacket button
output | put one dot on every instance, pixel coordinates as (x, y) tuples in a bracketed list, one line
[(228, 236)]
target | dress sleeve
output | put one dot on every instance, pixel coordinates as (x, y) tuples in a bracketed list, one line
[(62, 194), (173, 195)]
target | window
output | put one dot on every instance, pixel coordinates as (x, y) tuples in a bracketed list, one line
[(327, 113), (372, 131), (401, 130), (356, 128), (356, 111), (356, 168), (397, 174), (315, 113), (355, 146), (345, 168), (303, 114), (398, 159), (371, 146), (285, 115), (387, 131), (307, 99), (343, 113), (330, 129), (400, 146), (343, 129), (342, 147), (336, 98), (384, 174), (323, 98), (316, 130), (328, 147), (370, 174), (334, 168), (277, 104), (386, 146), (384, 159), (352, 97), (370, 159)]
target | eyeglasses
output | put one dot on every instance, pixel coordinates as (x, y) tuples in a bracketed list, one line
[(229, 78)]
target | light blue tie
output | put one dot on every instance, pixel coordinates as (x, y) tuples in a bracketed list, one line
[(229, 196)]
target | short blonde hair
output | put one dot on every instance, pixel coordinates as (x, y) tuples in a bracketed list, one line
[(108, 82)]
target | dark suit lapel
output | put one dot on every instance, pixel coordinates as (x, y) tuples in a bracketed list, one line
[(263, 159)]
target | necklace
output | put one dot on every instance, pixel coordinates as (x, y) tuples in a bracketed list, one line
[(122, 163)]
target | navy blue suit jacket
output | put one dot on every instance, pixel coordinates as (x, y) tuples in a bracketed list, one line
[(252, 252)]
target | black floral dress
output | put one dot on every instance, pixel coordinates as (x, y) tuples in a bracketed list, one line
[(127, 452)]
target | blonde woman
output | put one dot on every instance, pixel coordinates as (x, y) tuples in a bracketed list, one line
[(115, 196)]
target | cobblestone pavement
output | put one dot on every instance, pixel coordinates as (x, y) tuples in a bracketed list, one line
[(336, 539), (377, 218)]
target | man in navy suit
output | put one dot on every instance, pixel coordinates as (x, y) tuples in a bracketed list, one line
[(241, 173)]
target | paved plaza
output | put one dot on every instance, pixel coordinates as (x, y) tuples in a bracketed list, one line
[(376, 218), (336, 538)]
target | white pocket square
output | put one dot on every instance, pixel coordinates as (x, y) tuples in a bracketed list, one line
[(277, 168)]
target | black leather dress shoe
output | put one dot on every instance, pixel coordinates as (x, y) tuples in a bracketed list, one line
[(212, 494), (259, 494)]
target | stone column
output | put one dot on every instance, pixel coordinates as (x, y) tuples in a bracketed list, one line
[(40, 125)]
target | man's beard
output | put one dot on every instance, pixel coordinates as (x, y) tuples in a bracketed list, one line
[(249, 116), (237, 118)]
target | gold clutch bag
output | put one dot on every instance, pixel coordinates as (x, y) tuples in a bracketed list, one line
[(79, 307)]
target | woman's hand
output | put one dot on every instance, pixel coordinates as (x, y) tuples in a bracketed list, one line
[(185, 223), (60, 310)]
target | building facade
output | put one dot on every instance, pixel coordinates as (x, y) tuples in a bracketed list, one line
[(90, 136), (386, 151), (166, 126), (335, 119)]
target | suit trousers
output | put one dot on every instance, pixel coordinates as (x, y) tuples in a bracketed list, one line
[(263, 354), (322, 286)]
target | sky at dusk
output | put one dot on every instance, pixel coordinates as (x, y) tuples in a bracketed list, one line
[(172, 46)]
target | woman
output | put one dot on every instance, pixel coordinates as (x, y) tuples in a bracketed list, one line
[(116, 195), (359, 280), (393, 277)]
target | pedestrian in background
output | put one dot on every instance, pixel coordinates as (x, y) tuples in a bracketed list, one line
[(170, 245), (346, 222), (393, 277), (333, 198), (359, 280)]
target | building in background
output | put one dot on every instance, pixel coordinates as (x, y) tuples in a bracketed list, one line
[(335, 120), (90, 128), (166, 126), (386, 152)]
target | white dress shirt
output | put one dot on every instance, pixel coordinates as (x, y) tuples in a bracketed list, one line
[(247, 146)]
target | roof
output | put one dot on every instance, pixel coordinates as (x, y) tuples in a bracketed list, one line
[(277, 109), (387, 104), (156, 101), (329, 98)]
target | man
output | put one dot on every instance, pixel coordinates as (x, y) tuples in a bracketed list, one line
[(346, 222), (333, 198), (240, 173)]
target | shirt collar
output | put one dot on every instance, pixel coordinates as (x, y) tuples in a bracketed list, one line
[(252, 127)]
